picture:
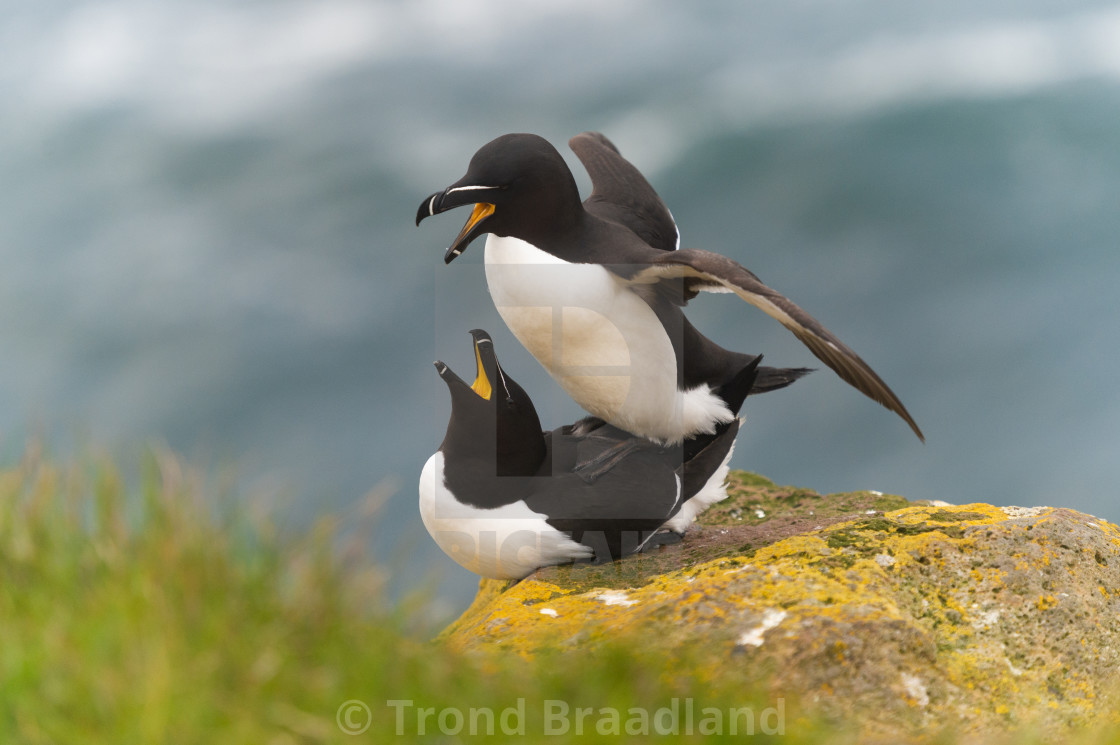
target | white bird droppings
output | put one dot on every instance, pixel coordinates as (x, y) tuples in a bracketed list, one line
[(986, 618), (1014, 512), (915, 689), (754, 637), (615, 597)]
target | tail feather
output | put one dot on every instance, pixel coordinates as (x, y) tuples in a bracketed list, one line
[(734, 391), (775, 378)]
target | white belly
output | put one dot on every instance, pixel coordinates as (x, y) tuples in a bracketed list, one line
[(599, 340), (505, 543)]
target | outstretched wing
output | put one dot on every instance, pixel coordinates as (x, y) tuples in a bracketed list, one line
[(621, 194), (710, 272)]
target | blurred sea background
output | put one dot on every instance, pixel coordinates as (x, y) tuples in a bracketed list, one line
[(207, 239)]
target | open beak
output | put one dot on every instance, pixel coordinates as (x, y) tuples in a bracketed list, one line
[(449, 375), (456, 196), (486, 366)]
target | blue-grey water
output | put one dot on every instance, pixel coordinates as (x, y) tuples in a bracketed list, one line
[(207, 240)]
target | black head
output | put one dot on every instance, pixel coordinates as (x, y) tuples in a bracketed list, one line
[(519, 185), (493, 419)]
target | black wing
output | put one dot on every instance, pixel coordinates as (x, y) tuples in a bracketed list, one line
[(621, 194), (608, 475), (710, 272), (591, 449)]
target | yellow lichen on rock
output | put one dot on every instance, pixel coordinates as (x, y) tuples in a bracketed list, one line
[(979, 615)]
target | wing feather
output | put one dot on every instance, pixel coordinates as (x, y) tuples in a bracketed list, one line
[(711, 272), (621, 194)]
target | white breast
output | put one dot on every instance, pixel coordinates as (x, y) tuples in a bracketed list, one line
[(505, 543), (599, 340)]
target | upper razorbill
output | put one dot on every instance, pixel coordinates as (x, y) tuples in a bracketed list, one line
[(594, 290)]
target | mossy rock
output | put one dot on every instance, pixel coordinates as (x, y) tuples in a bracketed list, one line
[(898, 616)]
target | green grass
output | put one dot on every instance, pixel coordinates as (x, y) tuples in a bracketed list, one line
[(165, 614), (159, 615)]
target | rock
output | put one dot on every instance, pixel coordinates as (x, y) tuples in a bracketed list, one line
[(865, 606)]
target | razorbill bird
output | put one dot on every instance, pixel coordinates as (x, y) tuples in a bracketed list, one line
[(595, 290), (503, 498), (662, 378)]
